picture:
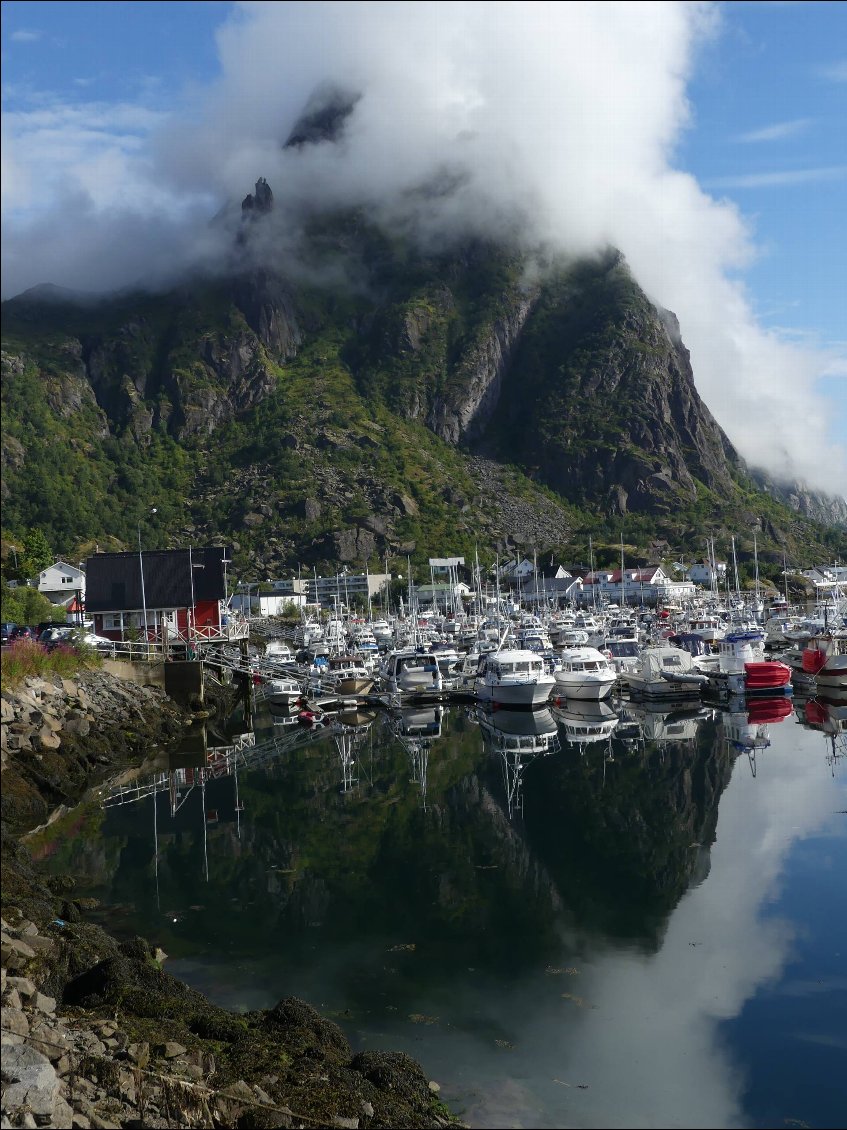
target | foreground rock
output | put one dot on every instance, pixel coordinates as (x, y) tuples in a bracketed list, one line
[(95, 1033)]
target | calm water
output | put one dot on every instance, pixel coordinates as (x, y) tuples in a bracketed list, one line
[(644, 929)]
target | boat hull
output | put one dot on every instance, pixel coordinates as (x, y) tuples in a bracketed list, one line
[(572, 685), (514, 694)]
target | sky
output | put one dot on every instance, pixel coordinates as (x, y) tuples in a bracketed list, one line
[(707, 141)]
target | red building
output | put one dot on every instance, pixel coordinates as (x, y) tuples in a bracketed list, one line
[(170, 596)]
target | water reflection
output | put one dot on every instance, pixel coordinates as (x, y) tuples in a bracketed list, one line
[(517, 738), (572, 917), (416, 728)]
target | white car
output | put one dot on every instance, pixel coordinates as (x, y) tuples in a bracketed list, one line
[(102, 643)]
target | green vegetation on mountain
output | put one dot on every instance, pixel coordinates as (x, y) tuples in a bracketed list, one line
[(414, 404)]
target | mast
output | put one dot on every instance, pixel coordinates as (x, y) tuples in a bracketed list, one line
[(735, 571), (623, 577), (756, 559)]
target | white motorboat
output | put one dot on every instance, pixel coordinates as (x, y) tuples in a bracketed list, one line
[(278, 652), (280, 692), (513, 677), (584, 673), (665, 672), (409, 671)]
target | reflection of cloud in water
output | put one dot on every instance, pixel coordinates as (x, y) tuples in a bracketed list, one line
[(643, 1037)]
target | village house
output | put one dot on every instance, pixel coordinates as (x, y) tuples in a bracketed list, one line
[(167, 595), (634, 586), (702, 574), (63, 584)]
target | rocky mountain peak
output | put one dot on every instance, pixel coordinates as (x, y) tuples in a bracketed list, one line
[(324, 116), (259, 203)]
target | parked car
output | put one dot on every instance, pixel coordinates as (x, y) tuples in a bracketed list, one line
[(53, 637), (6, 631), (23, 632), (102, 643)]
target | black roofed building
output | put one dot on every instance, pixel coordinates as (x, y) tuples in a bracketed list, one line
[(163, 595)]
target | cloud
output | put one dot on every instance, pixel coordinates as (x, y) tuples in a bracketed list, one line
[(776, 132), (781, 178), (556, 120), (834, 72), (25, 35)]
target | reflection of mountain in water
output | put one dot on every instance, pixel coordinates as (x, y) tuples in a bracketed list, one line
[(622, 839), (300, 870)]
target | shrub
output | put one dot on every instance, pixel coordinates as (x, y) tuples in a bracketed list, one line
[(25, 658)]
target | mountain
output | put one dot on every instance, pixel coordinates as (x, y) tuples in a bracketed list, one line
[(376, 400)]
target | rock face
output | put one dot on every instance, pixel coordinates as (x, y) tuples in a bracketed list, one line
[(600, 401), (462, 412), (384, 370), (95, 1033), (826, 508)]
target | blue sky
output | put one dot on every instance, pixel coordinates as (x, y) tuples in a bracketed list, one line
[(88, 89)]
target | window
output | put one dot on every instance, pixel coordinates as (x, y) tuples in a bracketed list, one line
[(67, 580)]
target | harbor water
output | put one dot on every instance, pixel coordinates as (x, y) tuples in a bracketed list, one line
[(579, 916)]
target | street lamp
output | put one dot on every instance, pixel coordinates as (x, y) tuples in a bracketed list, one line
[(143, 593), (192, 622)]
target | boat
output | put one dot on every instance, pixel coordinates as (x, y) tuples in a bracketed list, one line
[(824, 659), (743, 669), (513, 677), (584, 673), (347, 676), (411, 671), (622, 652), (278, 652), (279, 692), (664, 672)]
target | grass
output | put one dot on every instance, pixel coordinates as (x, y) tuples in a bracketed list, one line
[(25, 658)]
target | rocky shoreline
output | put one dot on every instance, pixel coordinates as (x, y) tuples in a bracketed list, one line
[(95, 1032)]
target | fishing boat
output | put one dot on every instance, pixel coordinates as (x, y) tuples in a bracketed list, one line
[(513, 677), (743, 669), (824, 660), (584, 673), (348, 676)]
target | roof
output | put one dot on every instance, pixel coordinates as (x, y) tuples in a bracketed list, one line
[(114, 579)]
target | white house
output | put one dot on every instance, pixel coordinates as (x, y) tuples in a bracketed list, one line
[(650, 585), (517, 570), (60, 583), (702, 574)]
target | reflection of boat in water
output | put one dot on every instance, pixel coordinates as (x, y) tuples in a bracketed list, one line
[(348, 729), (518, 737), (417, 727), (526, 731), (679, 724), (586, 721), (746, 723), (830, 718)]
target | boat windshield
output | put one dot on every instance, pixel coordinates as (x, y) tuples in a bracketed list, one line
[(621, 649)]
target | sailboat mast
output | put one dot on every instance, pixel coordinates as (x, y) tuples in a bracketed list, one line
[(623, 578)]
